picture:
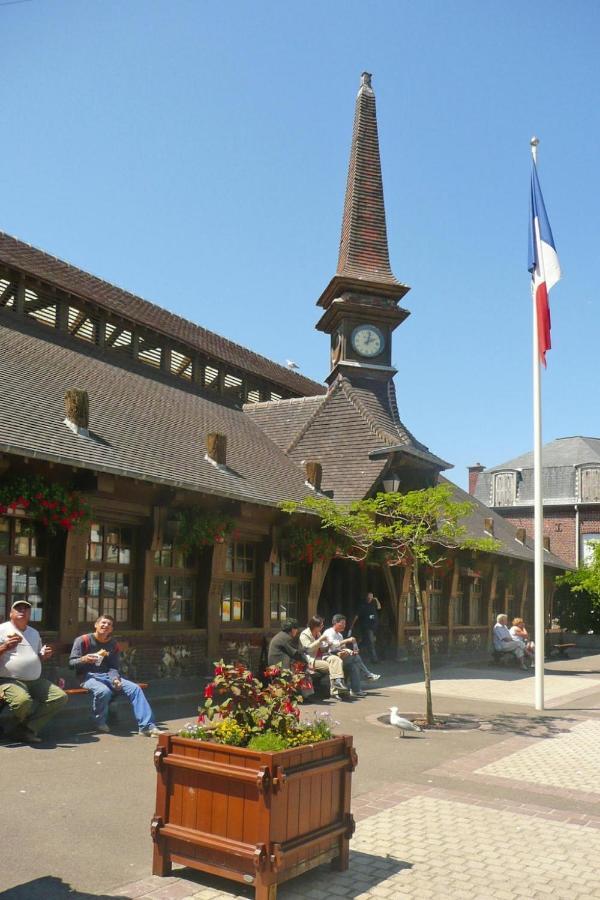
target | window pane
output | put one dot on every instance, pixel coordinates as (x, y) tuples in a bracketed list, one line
[(229, 559), (4, 535), (19, 580), (21, 545), (3, 579)]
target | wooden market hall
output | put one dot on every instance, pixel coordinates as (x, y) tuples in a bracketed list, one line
[(164, 428)]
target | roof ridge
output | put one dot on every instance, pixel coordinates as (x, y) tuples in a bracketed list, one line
[(263, 403), (311, 419), (383, 434), (102, 283)]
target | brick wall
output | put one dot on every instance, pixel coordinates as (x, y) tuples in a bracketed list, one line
[(559, 526)]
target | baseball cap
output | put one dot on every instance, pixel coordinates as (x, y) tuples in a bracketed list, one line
[(21, 603)]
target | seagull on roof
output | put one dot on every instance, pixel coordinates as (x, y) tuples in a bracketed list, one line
[(400, 723), (291, 364)]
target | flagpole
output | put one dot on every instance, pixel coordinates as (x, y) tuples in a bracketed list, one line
[(539, 615)]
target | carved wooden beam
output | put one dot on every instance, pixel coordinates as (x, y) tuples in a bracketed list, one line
[(317, 577)]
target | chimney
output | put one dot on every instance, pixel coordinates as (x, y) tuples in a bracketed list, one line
[(314, 474), (488, 524), (547, 542), (474, 475), (216, 448), (521, 535), (77, 411)]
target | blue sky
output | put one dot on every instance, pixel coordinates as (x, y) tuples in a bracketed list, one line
[(196, 154)]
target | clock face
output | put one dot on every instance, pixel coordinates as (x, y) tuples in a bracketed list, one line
[(368, 340)]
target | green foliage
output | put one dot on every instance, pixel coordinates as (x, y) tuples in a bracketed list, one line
[(417, 527), (50, 504), (307, 544), (576, 610), (267, 741), (585, 579), (197, 527)]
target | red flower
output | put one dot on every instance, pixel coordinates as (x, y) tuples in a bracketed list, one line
[(209, 691), (219, 670), (272, 672), (201, 718), (66, 523), (2, 509), (250, 678)]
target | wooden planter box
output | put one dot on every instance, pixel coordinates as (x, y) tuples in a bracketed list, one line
[(255, 817)]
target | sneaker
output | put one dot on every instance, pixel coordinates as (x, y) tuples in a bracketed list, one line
[(361, 694), (103, 727), (339, 686), (373, 677), (150, 731)]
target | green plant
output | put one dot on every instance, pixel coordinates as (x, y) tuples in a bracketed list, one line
[(197, 527), (238, 709), (268, 741), (307, 544), (50, 504)]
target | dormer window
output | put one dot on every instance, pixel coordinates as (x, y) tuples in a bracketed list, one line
[(505, 488), (590, 485)]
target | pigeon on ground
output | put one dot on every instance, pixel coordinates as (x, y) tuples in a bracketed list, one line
[(400, 723)]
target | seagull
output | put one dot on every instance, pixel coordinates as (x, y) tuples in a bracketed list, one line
[(290, 364), (400, 723)]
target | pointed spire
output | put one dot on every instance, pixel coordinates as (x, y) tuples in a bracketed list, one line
[(363, 245)]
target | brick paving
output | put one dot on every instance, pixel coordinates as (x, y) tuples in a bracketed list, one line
[(427, 841)]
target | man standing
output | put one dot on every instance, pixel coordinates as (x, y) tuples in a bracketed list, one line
[(96, 659), (504, 641), (337, 645), (32, 699), (368, 620)]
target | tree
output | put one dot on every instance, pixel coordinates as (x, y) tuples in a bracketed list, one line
[(578, 595), (417, 529)]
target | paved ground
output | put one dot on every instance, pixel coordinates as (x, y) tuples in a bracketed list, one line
[(504, 802)]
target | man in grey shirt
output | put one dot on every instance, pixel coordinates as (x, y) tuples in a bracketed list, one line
[(33, 700), (504, 641)]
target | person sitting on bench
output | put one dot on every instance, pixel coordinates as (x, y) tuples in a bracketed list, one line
[(504, 641), (519, 633), (96, 658), (321, 661)]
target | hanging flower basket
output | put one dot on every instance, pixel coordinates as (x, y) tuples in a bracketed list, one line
[(49, 504), (197, 527), (305, 545)]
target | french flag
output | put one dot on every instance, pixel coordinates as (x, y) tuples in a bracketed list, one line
[(543, 263)]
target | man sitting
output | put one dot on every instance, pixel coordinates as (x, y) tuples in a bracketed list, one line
[(504, 641), (96, 659), (33, 700), (283, 649), (320, 660), (337, 645)]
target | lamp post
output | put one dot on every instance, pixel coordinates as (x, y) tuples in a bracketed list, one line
[(391, 482)]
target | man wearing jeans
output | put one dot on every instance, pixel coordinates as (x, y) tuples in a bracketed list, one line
[(96, 658)]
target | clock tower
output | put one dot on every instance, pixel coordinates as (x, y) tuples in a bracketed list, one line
[(360, 302)]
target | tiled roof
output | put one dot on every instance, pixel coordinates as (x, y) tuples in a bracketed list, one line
[(283, 420), (364, 246), (503, 530), (560, 459), (27, 259), (141, 427), (340, 431)]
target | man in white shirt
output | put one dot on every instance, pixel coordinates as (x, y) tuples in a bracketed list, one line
[(33, 700), (338, 645), (320, 660), (504, 641)]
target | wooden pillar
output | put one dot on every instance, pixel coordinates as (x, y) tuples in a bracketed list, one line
[(492, 602), (317, 577), (217, 577), (73, 572), (452, 603), (524, 591), (20, 298), (159, 518), (402, 601)]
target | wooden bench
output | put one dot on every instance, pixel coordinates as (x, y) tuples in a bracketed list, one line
[(81, 690), (561, 649)]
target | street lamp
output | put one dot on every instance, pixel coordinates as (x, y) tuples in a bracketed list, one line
[(391, 482)]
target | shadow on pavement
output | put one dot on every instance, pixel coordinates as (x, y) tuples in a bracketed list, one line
[(530, 726), (365, 873), (51, 888)]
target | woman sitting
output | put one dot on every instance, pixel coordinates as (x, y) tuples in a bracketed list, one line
[(519, 633)]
